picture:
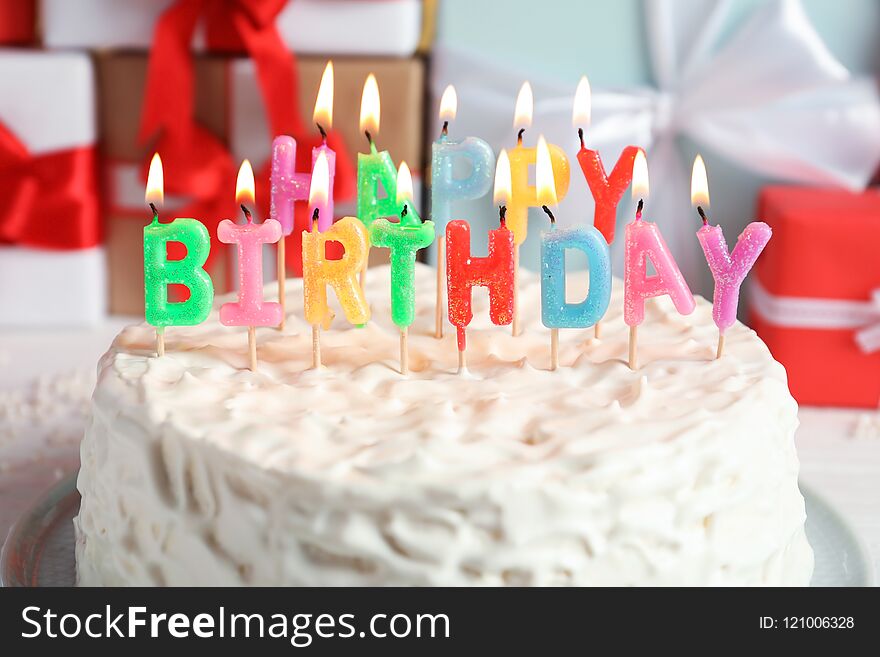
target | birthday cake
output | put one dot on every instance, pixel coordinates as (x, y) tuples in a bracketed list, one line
[(198, 471)]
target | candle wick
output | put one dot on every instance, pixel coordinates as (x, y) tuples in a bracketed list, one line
[(155, 213), (519, 136), (322, 131), (247, 213), (549, 214), (445, 130), (369, 137), (315, 219), (639, 209), (502, 215), (404, 211), (581, 136), (702, 215)]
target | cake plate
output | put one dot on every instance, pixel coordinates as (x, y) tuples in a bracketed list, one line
[(39, 550)]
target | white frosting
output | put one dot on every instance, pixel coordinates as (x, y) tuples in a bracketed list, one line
[(198, 471)]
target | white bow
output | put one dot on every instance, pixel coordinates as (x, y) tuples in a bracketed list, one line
[(770, 98), (813, 313)]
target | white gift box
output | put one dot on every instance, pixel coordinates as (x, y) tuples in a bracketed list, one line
[(47, 101), (339, 27)]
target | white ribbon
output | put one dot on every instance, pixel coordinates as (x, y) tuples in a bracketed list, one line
[(813, 313), (769, 97)]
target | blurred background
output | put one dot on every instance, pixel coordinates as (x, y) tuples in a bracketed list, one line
[(779, 96)]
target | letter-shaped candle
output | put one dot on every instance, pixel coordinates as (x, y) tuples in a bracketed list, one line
[(643, 242), (446, 187), (159, 272), (555, 311), (288, 186), (522, 194), (404, 239), (607, 190), (341, 275), (375, 167), (729, 269)]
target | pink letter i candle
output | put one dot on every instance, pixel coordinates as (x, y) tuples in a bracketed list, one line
[(644, 242), (250, 310), (729, 269)]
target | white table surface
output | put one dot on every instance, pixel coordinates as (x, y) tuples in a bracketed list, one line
[(46, 378)]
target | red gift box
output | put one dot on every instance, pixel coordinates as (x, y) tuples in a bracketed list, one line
[(815, 297)]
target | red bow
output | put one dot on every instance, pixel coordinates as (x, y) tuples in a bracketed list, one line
[(199, 165), (50, 200)]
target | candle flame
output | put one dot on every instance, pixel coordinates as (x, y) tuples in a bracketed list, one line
[(581, 113), (404, 185), (323, 114), (448, 104), (699, 184), (370, 106), (544, 183), (155, 182), (319, 189), (502, 179), (525, 102), (640, 186), (244, 184)]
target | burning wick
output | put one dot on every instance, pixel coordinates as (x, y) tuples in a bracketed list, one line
[(549, 214), (369, 137), (702, 215), (324, 132), (639, 209), (445, 130), (155, 212), (247, 213), (502, 215), (581, 136), (519, 136)]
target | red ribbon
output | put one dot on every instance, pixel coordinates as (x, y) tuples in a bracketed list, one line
[(50, 201), (17, 20), (199, 165)]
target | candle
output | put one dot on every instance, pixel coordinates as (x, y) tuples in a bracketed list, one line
[(446, 187), (524, 195), (375, 167), (250, 310), (643, 242), (341, 275), (159, 272), (607, 190), (556, 313), (288, 186), (729, 269), (404, 239), (495, 271)]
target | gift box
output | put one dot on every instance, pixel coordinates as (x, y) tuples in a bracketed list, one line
[(229, 106), (815, 294), (52, 268), (341, 27)]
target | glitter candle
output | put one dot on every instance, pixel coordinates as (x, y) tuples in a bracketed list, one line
[(341, 275), (643, 242), (160, 272), (524, 195), (376, 167), (555, 311), (404, 239), (607, 190), (729, 268)]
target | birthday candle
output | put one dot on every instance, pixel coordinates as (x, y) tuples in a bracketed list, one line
[(250, 309), (607, 190), (404, 239), (524, 195), (288, 186), (643, 242), (729, 269), (447, 153), (160, 272), (375, 167), (495, 271)]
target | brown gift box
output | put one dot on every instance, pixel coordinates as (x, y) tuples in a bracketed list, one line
[(222, 85)]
